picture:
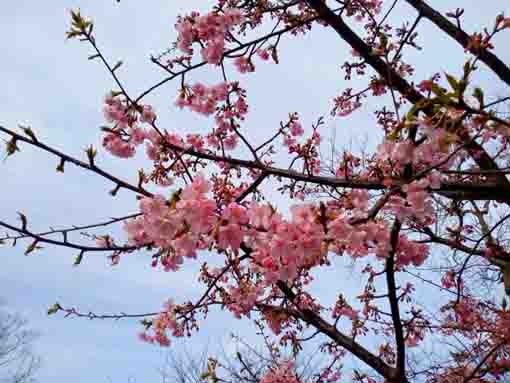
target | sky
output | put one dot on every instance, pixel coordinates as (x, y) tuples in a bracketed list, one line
[(48, 83)]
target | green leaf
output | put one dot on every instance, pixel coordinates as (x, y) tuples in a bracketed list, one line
[(383, 41), (53, 309), (437, 90), (32, 247), (462, 87), (78, 259), (147, 323), (467, 69), (91, 154), (478, 94), (12, 146), (60, 167), (174, 198), (29, 132), (454, 83)]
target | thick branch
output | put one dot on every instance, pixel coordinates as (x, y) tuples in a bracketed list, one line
[(394, 80), (331, 331), (395, 310), (454, 190), (346, 342), (452, 244), (484, 55)]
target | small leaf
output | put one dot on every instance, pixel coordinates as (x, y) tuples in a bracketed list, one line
[(175, 197), (33, 246), (12, 146), (78, 259), (29, 132), (467, 69), (91, 154), (454, 83), (462, 87), (478, 94), (79, 25), (274, 55), (383, 41), (115, 190), (141, 178), (147, 323), (53, 309), (72, 34), (60, 167), (24, 221), (437, 89)]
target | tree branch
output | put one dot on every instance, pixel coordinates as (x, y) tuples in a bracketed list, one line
[(396, 81), (392, 296), (66, 158), (484, 55)]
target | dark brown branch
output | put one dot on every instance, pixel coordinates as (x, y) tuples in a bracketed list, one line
[(450, 243), (90, 315), (455, 190), (395, 81), (76, 228), (395, 310), (365, 51), (226, 53), (252, 187), (313, 319), (74, 161), (484, 360), (484, 55), (66, 243), (332, 332)]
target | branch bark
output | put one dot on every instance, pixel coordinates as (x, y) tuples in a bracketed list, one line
[(487, 57), (395, 310), (394, 80), (348, 343)]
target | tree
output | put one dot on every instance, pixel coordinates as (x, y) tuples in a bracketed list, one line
[(18, 364), (428, 207), (244, 364)]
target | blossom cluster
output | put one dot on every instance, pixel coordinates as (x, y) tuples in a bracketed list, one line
[(126, 135), (166, 321), (302, 147), (203, 99), (242, 298), (206, 100), (281, 247), (210, 30), (283, 373)]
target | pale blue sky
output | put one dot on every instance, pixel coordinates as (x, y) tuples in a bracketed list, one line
[(48, 83)]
